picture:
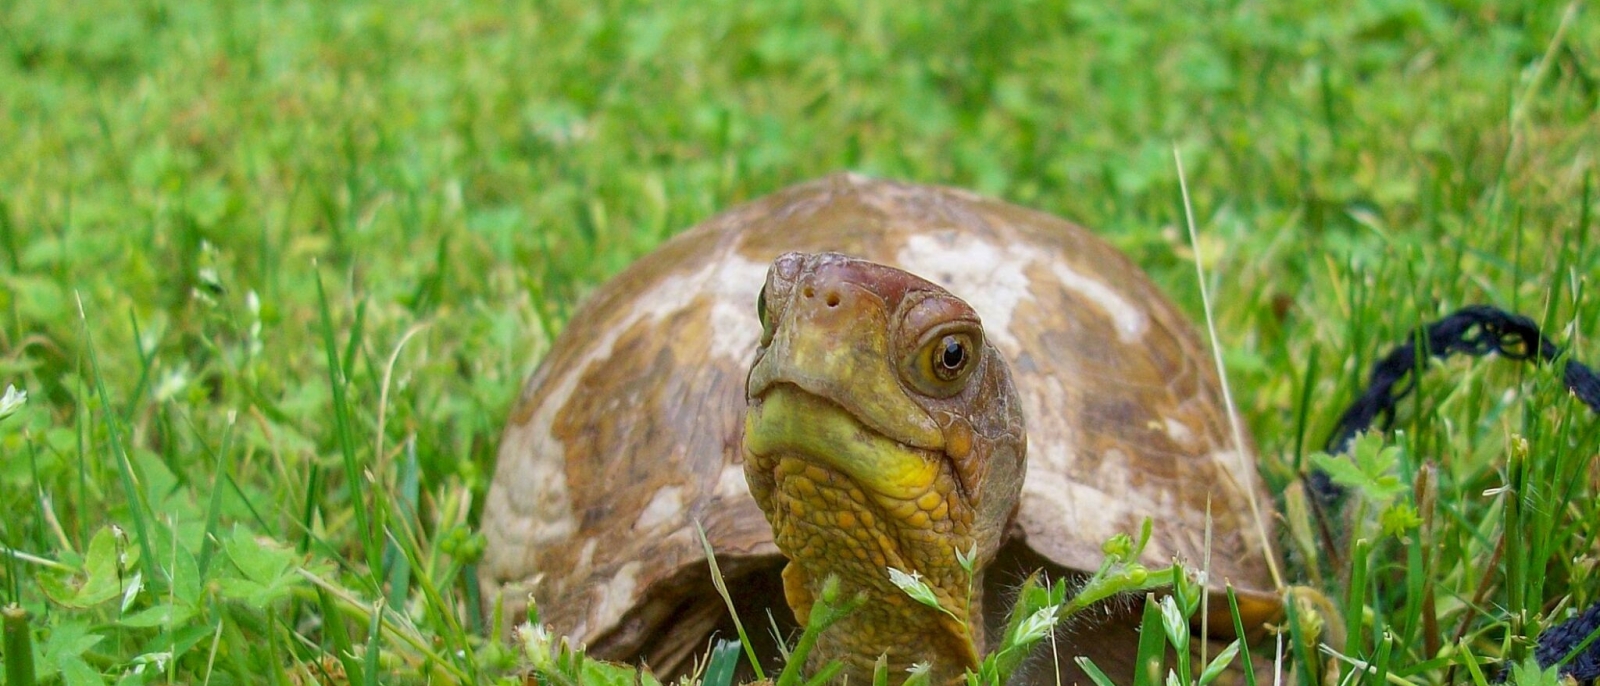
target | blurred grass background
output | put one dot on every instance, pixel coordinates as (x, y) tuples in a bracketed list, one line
[(254, 204)]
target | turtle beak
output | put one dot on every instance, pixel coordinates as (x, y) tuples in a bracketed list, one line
[(833, 342), (826, 387)]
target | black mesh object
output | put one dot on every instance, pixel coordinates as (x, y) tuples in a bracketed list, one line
[(1557, 641), (1476, 330)]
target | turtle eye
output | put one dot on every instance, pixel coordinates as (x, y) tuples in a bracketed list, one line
[(950, 358), (943, 362), (761, 315), (939, 343)]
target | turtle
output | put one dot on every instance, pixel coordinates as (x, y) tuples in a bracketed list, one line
[(1092, 406)]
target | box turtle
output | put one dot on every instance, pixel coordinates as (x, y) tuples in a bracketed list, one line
[(1054, 400)]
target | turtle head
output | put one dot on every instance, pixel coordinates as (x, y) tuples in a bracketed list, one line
[(883, 430)]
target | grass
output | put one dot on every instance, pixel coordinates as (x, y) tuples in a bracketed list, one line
[(219, 222)]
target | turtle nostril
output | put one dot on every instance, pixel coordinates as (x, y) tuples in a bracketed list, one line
[(833, 300), (808, 292)]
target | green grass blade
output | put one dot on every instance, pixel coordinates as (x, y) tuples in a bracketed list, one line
[(8, 237), (19, 646), (454, 635), (826, 675), (724, 660), (1299, 644), (214, 505), (137, 509), (394, 560), (337, 636), (1151, 660), (1244, 644), (374, 644), (722, 590), (355, 480), (1093, 671), (1355, 597)]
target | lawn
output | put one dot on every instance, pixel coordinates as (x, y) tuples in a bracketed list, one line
[(272, 273)]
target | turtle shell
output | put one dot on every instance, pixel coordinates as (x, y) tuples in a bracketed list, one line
[(628, 436)]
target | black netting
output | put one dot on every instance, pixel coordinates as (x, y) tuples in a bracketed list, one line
[(1557, 641), (1476, 330)]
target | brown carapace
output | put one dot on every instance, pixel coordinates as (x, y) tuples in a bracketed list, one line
[(629, 436)]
